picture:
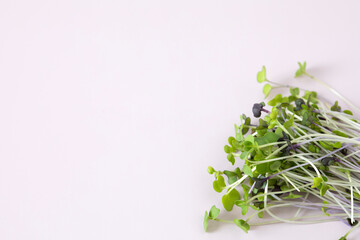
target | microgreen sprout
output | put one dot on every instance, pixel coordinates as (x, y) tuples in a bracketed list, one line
[(258, 108), (304, 153)]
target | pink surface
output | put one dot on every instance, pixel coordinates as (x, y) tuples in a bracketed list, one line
[(111, 111)]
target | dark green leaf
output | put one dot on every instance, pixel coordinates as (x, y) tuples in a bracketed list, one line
[(238, 172), (248, 145), (313, 148), (232, 176), (274, 166), (263, 168)]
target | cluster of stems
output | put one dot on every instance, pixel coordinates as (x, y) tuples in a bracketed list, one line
[(304, 154)]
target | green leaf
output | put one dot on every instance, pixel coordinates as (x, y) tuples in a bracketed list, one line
[(275, 166), (231, 158), (206, 220), (313, 148), (250, 138), (210, 170), (336, 145), (254, 207), (277, 99), (311, 95), (219, 184), (292, 196), (238, 132), (238, 172), (244, 155), (323, 209), (246, 128), (267, 89), (261, 76), (214, 212), (356, 195), (335, 107), (326, 145), (260, 214), (289, 122), (341, 134), (232, 176), (274, 113), (244, 209), (246, 189), (348, 112), (278, 132), (227, 149), (272, 182), (317, 181), (272, 124), (269, 137), (236, 145), (248, 145), (301, 70), (228, 200), (294, 91), (323, 189), (285, 188), (242, 224), (263, 168), (231, 140), (342, 238), (325, 179), (247, 170)]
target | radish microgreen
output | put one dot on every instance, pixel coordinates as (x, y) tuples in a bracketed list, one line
[(301, 146)]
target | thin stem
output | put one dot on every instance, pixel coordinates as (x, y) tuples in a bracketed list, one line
[(333, 91)]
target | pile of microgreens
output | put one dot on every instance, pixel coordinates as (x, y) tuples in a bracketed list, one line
[(303, 153)]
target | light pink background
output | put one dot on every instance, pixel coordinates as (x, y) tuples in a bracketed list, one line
[(111, 111)]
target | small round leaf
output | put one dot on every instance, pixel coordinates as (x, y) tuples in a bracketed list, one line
[(266, 90)]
